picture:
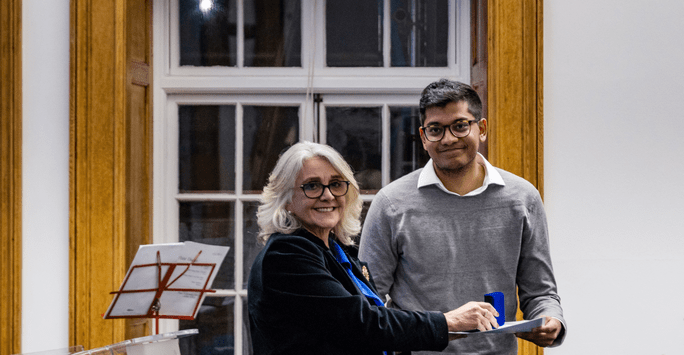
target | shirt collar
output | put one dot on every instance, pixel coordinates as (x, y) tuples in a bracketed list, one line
[(428, 177)]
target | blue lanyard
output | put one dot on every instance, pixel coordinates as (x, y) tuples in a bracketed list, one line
[(341, 258)]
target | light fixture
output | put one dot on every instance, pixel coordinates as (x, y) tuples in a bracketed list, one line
[(206, 5)]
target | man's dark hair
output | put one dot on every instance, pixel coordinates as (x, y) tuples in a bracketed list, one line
[(442, 92)]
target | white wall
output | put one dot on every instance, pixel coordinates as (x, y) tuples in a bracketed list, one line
[(614, 172), (45, 193)]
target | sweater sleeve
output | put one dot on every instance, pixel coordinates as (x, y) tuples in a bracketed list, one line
[(377, 246), (297, 281), (536, 282)]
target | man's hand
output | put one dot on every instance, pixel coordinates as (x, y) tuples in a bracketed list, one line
[(472, 315), (545, 335)]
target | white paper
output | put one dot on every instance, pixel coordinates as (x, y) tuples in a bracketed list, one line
[(521, 326), (173, 303)]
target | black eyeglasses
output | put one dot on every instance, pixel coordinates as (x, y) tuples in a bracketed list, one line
[(459, 129), (315, 189)]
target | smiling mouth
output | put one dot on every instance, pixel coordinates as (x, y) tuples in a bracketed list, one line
[(325, 209), (451, 150)]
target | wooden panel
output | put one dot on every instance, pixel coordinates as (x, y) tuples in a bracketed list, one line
[(96, 254), (515, 87), (139, 139), (514, 82), (10, 176), (110, 160), (478, 66), (539, 30)]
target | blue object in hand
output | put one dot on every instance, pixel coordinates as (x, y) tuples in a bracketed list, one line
[(496, 299)]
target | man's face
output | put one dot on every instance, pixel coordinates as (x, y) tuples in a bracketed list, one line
[(451, 154)]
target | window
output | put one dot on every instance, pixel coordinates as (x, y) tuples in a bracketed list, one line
[(238, 81)]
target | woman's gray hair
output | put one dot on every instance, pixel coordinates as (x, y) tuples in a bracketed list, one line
[(272, 216)]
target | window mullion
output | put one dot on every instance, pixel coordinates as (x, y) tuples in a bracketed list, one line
[(385, 159), (461, 38), (237, 310), (452, 38), (237, 228), (319, 37), (240, 33), (239, 167), (386, 34), (322, 124), (237, 326), (239, 112)]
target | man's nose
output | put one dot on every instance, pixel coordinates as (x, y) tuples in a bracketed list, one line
[(448, 137)]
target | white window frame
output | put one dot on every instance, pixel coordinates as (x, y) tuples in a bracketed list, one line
[(174, 85), (185, 79)]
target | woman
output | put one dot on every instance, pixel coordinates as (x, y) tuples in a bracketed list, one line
[(308, 293)]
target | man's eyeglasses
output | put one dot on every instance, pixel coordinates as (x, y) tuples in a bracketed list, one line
[(459, 129), (315, 189)]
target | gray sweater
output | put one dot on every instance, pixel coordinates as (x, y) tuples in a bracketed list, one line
[(430, 250)]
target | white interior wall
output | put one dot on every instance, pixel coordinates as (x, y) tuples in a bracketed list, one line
[(613, 74), (614, 166), (45, 175)]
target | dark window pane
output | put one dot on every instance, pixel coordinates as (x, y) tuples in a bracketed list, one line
[(419, 32), (273, 33), (268, 130), (250, 231), (354, 33), (208, 35), (356, 132), (215, 323), (211, 223), (364, 212), (406, 149), (206, 148)]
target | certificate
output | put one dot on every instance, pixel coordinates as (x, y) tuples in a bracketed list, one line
[(521, 326)]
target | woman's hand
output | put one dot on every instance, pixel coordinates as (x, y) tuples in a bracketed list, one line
[(471, 316)]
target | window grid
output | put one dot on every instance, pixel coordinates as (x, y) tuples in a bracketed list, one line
[(175, 85), (184, 79)]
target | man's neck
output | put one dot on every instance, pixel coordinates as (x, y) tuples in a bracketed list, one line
[(464, 180)]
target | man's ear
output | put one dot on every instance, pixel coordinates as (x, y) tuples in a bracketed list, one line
[(482, 124), (422, 138)]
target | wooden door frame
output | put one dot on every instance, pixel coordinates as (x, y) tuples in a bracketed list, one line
[(110, 160), (515, 88), (515, 96), (10, 176)]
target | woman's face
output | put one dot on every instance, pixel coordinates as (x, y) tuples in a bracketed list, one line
[(318, 215)]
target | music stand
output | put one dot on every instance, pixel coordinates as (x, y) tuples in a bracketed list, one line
[(171, 286)]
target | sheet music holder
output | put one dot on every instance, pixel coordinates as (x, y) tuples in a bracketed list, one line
[(167, 281)]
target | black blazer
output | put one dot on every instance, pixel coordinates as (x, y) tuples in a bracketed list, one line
[(301, 301)]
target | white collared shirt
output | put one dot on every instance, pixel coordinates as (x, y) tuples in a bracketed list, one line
[(429, 177)]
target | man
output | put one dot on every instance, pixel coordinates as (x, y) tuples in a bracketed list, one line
[(459, 228)]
